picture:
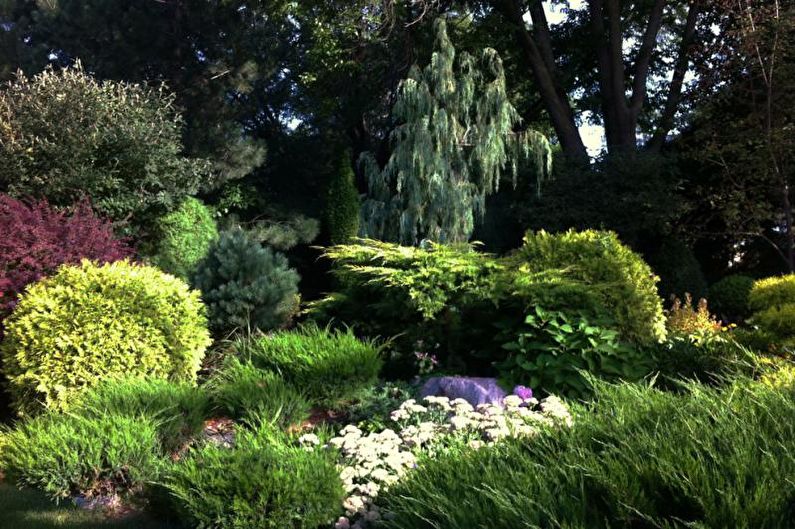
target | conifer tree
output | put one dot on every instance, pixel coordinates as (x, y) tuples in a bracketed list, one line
[(454, 140), (342, 203)]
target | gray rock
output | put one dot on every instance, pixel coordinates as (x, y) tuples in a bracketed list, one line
[(474, 390)]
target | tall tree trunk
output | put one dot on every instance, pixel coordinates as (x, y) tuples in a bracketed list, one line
[(542, 65)]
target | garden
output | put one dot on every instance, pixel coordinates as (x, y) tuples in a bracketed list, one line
[(353, 265)]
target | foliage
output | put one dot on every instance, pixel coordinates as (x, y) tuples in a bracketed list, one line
[(176, 409), (244, 391), (708, 357), (679, 270), (729, 296), (261, 481), (440, 294), (89, 322), (372, 406), (457, 297), (38, 239), (223, 64), (328, 366), (772, 301), (64, 134), (246, 286), (342, 203), (685, 319), (636, 456), (552, 348), (617, 277), (778, 372), (453, 139), (183, 238), (70, 454)]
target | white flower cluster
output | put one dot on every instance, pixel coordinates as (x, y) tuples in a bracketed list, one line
[(369, 463)]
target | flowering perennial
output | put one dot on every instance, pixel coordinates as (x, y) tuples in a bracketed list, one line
[(369, 463)]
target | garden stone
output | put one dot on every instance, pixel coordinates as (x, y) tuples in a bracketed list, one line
[(474, 390)]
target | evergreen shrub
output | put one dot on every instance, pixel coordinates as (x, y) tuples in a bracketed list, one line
[(262, 481), (64, 134), (89, 322), (459, 298), (772, 301), (183, 238), (67, 454), (328, 366), (618, 278), (342, 203), (246, 286)]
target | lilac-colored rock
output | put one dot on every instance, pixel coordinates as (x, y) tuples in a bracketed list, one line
[(472, 389)]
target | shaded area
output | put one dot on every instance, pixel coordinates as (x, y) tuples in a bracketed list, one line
[(28, 509)]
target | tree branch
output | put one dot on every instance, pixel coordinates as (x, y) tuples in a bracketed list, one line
[(666, 122), (541, 33), (643, 60)]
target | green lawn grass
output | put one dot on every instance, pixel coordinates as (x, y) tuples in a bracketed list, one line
[(27, 509)]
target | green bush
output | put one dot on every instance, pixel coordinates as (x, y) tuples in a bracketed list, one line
[(772, 292), (262, 481), (679, 270), (65, 135), (458, 297), (327, 366), (729, 296), (64, 455), (552, 349), (183, 238), (617, 277), (88, 323), (772, 301), (244, 391), (341, 213), (177, 409), (246, 286), (637, 457)]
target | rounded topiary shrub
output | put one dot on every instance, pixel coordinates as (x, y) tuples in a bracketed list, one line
[(245, 285), (183, 238), (729, 296), (89, 322), (772, 301), (597, 266)]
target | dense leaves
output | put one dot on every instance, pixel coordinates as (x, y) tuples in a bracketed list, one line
[(64, 134), (37, 239), (246, 286), (88, 323)]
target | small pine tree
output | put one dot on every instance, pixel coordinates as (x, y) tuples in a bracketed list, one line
[(342, 203), (246, 286), (455, 136)]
